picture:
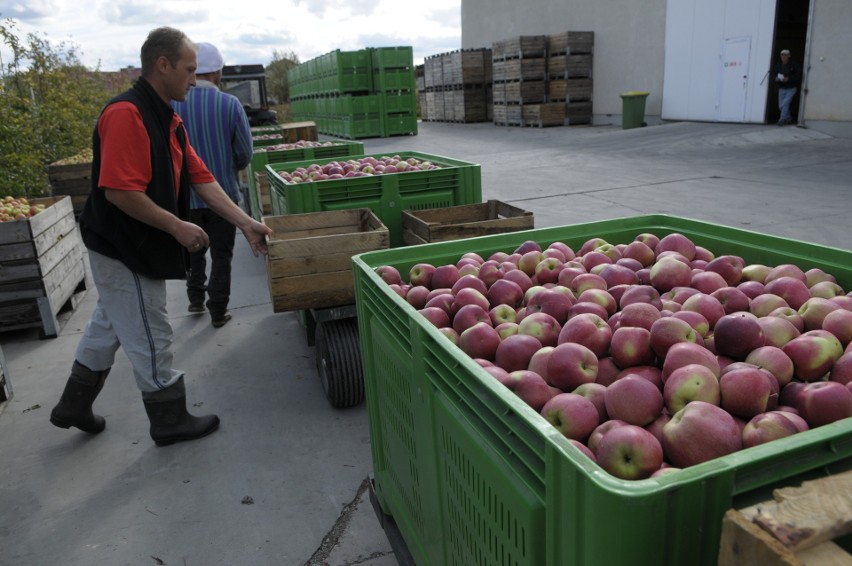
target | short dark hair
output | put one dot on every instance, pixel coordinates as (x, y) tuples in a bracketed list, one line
[(164, 41)]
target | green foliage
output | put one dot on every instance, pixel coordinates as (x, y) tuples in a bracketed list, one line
[(276, 75), (49, 105)]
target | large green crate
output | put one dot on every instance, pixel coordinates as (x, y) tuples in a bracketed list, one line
[(399, 124), (399, 102), (472, 475), (387, 80), (260, 159), (455, 183), (392, 57)]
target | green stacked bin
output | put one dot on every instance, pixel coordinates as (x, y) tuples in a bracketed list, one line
[(453, 183), (357, 94), (260, 159), (472, 475)]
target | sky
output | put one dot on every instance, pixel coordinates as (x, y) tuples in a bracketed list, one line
[(109, 33)]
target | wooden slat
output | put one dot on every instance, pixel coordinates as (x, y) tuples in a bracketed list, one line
[(464, 221)]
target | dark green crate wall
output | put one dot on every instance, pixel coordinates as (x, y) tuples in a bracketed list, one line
[(357, 94)]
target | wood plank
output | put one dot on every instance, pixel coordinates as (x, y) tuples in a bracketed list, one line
[(313, 291)]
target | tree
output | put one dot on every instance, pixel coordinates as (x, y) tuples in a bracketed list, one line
[(276, 74), (49, 105)]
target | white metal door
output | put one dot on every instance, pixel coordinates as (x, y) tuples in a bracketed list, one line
[(733, 79)]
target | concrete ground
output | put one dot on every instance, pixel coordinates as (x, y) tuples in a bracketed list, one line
[(284, 479)]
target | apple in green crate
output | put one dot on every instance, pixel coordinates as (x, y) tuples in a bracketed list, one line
[(814, 311), (629, 452), (777, 331), (439, 317), (695, 319), (519, 277), (567, 275), (445, 276), (618, 275), (587, 329), (791, 315), (586, 281), (816, 275), (656, 427), (600, 431), (596, 393), (668, 331), (530, 388), (698, 433), (752, 289), (529, 261), (679, 294), (745, 392), (824, 402), (641, 294), (732, 299), (600, 297), (547, 270), (450, 334), (584, 449), (841, 371), (730, 267), (479, 341), (506, 329), (668, 273), (737, 334), (570, 365), (538, 362), (389, 274), (490, 271), (421, 274), (572, 415), (443, 301), (826, 290), (469, 281), (541, 326), (812, 356), (794, 417), (786, 270), (707, 281), (775, 361), (567, 252), (516, 351), (634, 400), (466, 297), (839, 323), (693, 382), (417, 296), (639, 314), (648, 238), (676, 242), (641, 252), (755, 272), (528, 246), (792, 290), (631, 346), (766, 427), (469, 315), (764, 304), (505, 292), (650, 373), (502, 313), (607, 371), (551, 301)]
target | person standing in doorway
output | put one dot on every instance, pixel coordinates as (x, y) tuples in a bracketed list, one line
[(136, 229), (219, 131), (788, 77)]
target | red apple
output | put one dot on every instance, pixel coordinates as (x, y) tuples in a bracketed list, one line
[(600, 431), (826, 290), (730, 267), (596, 393), (552, 301), (421, 274), (792, 290), (573, 415), (607, 371), (530, 387), (755, 272), (669, 331), (538, 362), (469, 296), (764, 304), (777, 331), (502, 313), (634, 400), (668, 273), (706, 305), (629, 452), (570, 365), (417, 296), (812, 356), (469, 282), (516, 351), (693, 382), (824, 402), (505, 292), (745, 392), (737, 334), (707, 281), (698, 433), (445, 276), (641, 294), (642, 315), (468, 316), (389, 274), (479, 341), (767, 427), (587, 329), (695, 319), (841, 371), (676, 242), (785, 270), (547, 270), (437, 316), (541, 326), (641, 252), (839, 323), (732, 299), (489, 272), (752, 289), (775, 361), (631, 346), (814, 311)]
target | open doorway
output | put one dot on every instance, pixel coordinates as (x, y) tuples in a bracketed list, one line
[(791, 32)]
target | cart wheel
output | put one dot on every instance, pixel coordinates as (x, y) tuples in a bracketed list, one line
[(339, 362)]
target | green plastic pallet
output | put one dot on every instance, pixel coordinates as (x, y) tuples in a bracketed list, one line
[(455, 183), (472, 475)]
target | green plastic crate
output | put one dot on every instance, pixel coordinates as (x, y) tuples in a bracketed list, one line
[(392, 57), (399, 102), (388, 80), (455, 183), (399, 125), (472, 475)]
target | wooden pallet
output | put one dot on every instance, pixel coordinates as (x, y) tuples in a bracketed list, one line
[(466, 67), (519, 92), (520, 70), (795, 528), (42, 269), (569, 67), (519, 47)]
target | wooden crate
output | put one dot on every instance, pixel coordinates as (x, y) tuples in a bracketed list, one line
[(520, 70), (465, 221), (42, 270), (466, 105), (569, 66), (433, 71), (570, 42), (578, 113), (543, 115), (519, 47), (506, 114), (519, 92), (290, 132), (796, 527), (309, 264), (436, 106), (467, 67), (261, 183), (569, 90), (73, 180)]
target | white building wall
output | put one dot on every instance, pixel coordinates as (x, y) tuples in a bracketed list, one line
[(629, 41)]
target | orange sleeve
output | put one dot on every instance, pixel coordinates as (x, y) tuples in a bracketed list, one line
[(125, 148)]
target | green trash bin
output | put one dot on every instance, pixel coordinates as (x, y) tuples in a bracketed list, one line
[(633, 113)]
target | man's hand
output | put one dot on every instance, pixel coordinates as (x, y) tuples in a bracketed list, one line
[(255, 234), (139, 205)]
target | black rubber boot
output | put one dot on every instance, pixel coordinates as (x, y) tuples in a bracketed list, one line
[(75, 405), (170, 422)]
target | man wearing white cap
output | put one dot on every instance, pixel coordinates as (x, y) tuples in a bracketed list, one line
[(219, 130), (788, 77)]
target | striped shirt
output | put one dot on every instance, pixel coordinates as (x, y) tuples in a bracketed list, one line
[(219, 131)]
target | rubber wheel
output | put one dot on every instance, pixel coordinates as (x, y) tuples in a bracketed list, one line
[(339, 362)]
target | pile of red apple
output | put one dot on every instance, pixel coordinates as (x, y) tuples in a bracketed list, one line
[(356, 167), (650, 356), (301, 144)]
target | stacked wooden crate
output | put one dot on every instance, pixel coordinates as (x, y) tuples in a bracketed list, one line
[(457, 86), (520, 83), (569, 73), (42, 270), (72, 176)]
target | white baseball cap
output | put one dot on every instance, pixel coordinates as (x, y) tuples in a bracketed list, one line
[(209, 59), (785, 52)]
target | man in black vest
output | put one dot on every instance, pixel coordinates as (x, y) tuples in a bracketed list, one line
[(135, 226), (788, 77)]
